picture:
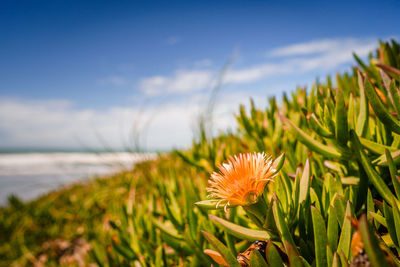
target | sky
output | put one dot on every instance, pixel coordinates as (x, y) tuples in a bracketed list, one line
[(105, 74)]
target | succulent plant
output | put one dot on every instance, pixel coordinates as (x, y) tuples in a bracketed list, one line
[(328, 196)]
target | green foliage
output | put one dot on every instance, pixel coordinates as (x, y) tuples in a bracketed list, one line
[(73, 212), (341, 147)]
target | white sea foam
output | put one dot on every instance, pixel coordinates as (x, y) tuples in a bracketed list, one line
[(28, 175)]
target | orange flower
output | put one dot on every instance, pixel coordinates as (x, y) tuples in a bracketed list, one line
[(241, 180)]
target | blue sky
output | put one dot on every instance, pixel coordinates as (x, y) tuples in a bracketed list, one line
[(71, 71)]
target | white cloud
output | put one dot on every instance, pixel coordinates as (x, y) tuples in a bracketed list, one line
[(326, 55), (49, 124), (312, 47), (332, 54), (318, 55), (182, 81), (254, 73)]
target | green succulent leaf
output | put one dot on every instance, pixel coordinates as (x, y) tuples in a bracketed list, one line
[(167, 229), (342, 133), (379, 218), (210, 204), (336, 260), (345, 236), (282, 226), (393, 72), (379, 109), (257, 260), (373, 176), (319, 128), (311, 143), (391, 227), (396, 219), (362, 119), (375, 147), (222, 249), (333, 228), (174, 217), (124, 251), (273, 257), (294, 258), (393, 172), (339, 203), (176, 244), (278, 163), (395, 96), (382, 160), (364, 67), (239, 231), (371, 244), (320, 238), (160, 257), (392, 91), (305, 182), (196, 248)]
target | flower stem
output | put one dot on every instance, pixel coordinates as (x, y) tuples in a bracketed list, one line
[(257, 212)]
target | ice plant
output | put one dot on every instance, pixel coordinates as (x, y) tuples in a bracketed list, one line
[(241, 180)]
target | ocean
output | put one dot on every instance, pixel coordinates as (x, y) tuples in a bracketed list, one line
[(29, 175)]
